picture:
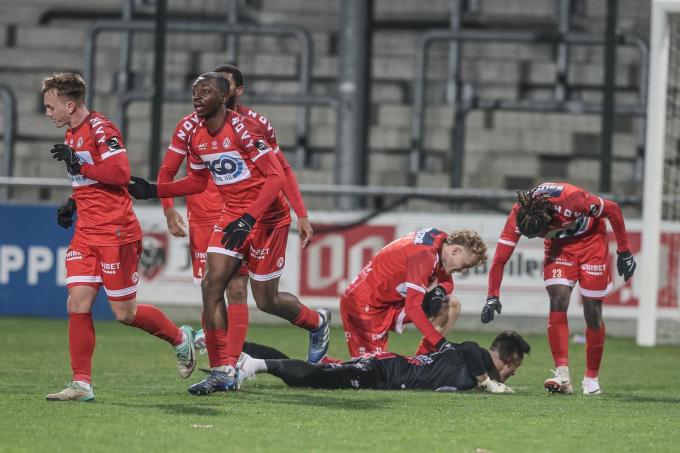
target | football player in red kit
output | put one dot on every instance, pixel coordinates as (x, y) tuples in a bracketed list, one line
[(253, 227), (401, 283), (106, 244), (204, 210), (571, 221)]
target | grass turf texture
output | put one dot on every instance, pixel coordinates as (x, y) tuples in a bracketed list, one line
[(142, 405)]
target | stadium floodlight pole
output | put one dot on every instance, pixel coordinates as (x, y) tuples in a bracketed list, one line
[(158, 86), (648, 283), (609, 88)]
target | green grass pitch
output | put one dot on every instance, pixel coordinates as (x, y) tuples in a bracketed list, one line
[(142, 405)]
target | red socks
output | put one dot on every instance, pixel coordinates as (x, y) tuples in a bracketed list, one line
[(216, 344), (150, 319), (558, 337), (81, 342), (594, 349), (237, 314), (307, 319)]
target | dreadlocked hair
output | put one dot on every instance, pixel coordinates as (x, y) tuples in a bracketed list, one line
[(534, 214)]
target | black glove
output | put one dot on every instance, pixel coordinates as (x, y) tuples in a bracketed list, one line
[(433, 300), (237, 231), (443, 345), (65, 213), (492, 303), (141, 189), (625, 264), (69, 156)]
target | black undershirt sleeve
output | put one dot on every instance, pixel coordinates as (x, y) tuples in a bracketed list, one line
[(472, 356)]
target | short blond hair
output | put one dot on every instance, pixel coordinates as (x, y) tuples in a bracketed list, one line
[(67, 84), (471, 240)]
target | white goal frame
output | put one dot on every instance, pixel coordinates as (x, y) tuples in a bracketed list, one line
[(648, 271)]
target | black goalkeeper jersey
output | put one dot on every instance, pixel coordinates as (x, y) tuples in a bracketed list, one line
[(453, 369)]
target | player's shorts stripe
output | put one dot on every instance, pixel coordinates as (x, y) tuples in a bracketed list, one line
[(108, 154), (120, 292), (506, 242), (197, 281), (223, 251), (558, 281), (177, 150), (599, 213), (416, 287), (265, 277), (597, 293), (197, 166), (83, 279)]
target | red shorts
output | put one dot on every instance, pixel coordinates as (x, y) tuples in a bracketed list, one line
[(264, 250), (367, 326), (113, 266), (199, 238), (586, 262)]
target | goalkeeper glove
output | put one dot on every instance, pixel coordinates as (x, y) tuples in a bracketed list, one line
[(625, 264), (443, 344), (494, 387), (237, 231), (65, 213), (141, 189), (433, 300), (492, 304), (69, 156)]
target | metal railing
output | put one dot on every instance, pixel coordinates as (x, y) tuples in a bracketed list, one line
[(305, 73), (9, 103)]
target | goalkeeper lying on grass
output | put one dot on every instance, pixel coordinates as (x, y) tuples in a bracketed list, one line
[(462, 366)]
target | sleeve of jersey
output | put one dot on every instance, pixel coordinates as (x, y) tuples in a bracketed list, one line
[(172, 161), (195, 181), (419, 267), (291, 188), (612, 212), (504, 248), (472, 356), (114, 169)]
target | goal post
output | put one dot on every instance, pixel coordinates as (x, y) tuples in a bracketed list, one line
[(648, 274)]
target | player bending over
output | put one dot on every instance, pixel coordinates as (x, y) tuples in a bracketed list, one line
[(571, 221), (458, 367), (409, 280), (106, 244)]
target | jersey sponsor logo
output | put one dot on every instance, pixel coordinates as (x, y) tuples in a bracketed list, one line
[(99, 133), (214, 144), (113, 143), (550, 189), (227, 167), (425, 236), (110, 268), (202, 146), (259, 254), (80, 180), (187, 127)]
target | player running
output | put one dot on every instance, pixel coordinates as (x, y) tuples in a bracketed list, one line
[(571, 221), (204, 210), (459, 367), (253, 227), (106, 244), (409, 280)]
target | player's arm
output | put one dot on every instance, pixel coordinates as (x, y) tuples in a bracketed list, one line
[(269, 166), (291, 189), (474, 362), (114, 169), (419, 267), (195, 181), (175, 155)]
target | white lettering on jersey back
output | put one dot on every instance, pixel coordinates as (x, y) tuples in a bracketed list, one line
[(227, 167), (80, 180)]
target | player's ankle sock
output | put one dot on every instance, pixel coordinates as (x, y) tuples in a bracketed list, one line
[(81, 341), (594, 349), (237, 314), (215, 343), (558, 337), (307, 319), (85, 384), (425, 347), (150, 319), (258, 365)]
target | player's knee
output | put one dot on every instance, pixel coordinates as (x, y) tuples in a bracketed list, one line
[(124, 312), (559, 302), (266, 304), (237, 291), (454, 306)]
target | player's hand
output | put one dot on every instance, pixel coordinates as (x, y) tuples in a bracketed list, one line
[(65, 213), (625, 264), (237, 231), (66, 154), (176, 224), (433, 300), (141, 189), (494, 386), (305, 231), (443, 345), (492, 304)]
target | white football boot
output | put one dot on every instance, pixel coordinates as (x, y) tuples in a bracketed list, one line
[(560, 382), (591, 386)]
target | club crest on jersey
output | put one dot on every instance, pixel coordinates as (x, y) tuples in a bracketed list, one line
[(226, 143), (112, 143), (227, 167), (80, 142)]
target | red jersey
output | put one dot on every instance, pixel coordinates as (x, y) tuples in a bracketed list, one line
[(205, 207), (404, 270), (577, 214), (104, 207), (238, 158)]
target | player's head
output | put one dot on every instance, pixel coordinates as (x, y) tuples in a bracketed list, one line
[(507, 351), (462, 250), (534, 214), (63, 94), (235, 78), (209, 93)]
